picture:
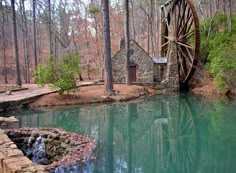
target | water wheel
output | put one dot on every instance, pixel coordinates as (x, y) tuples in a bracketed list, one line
[(180, 26)]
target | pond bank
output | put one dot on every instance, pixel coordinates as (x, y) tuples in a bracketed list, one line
[(93, 94), (87, 93), (21, 98)]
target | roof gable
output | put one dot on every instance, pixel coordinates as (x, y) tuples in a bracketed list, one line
[(135, 44)]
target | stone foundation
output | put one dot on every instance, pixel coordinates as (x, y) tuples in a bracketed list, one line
[(62, 148)]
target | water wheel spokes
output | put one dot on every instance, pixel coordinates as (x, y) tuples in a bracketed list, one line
[(180, 25)]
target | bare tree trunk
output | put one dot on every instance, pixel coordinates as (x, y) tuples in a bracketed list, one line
[(39, 44), (96, 23), (97, 47), (18, 75), (55, 48), (4, 63), (88, 69), (133, 22), (151, 27), (26, 43), (229, 15), (49, 28), (148, 36), (25, 63), (158, 21), (4, 44), (127, 42), (108, 81), (76, 50), (86, 30), (34, 34)]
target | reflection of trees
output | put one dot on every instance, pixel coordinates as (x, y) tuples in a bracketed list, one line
[(164, 145), (160, 135), (219, 137), (109, 142)]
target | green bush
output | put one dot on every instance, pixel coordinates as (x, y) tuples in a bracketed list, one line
[(44, 73), (62, 74), (208, 30), (219, 48), (222, 58)]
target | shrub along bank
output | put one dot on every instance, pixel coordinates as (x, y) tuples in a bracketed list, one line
[(218, 52)]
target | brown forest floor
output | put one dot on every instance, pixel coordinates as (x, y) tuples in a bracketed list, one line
[(93, 94)]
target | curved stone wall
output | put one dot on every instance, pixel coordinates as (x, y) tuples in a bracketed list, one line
[(62, 149)]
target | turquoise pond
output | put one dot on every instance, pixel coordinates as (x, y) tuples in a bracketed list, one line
[(162, 134)]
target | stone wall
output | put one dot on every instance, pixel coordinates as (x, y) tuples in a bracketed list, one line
[(12, 160), (62, 149), (172, 71), (138, 58), (159, 72)]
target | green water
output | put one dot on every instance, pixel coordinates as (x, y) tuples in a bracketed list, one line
[(161, 134)]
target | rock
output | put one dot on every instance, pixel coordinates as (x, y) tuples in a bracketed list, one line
[(54, 136), (9, 119), (8, 92), (105, 97), (8, 123), (116, 91), (67, 141), (142, 94), (64, 145)]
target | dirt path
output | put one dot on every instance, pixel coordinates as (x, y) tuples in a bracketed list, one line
[(32, 91)]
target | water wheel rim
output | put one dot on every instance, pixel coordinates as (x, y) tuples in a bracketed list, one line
[(193, 32)]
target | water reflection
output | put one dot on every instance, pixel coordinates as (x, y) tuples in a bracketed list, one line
[(163, 134)]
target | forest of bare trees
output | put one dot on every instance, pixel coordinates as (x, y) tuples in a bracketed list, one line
[(32, 30)]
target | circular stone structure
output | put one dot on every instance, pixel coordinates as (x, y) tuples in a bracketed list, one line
[(62, 149)]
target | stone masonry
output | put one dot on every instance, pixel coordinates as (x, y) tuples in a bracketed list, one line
[(172, 72), (12, 160), (63, 149), (138, 58)]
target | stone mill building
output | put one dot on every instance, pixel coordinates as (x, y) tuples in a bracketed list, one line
[(143, 68)]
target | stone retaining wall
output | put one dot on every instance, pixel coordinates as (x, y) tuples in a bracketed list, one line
[(62, 148), (12, 160)]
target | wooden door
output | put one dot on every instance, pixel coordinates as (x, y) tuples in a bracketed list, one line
[(133, 74)]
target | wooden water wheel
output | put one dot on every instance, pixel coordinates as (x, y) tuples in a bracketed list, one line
[(180, 26)]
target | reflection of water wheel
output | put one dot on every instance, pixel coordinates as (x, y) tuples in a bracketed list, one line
[(180, 25), (182, 135)]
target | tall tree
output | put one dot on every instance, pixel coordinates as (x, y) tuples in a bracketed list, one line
[(4, 41), (127, 43), (108, 80), (34, 34), (25, 40), (94, 11), (229, 14), (50, 27), (132, 16), (16, 53)]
